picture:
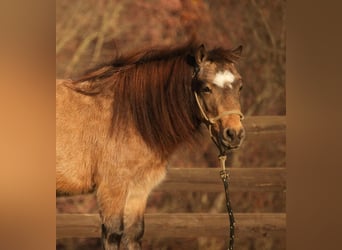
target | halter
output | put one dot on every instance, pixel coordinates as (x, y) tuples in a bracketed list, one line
[(212, 121)]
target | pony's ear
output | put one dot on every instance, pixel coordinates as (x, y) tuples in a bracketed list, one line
[(200, 54), (237, 51)]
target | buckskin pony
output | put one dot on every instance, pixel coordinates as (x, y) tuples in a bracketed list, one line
[(118, 124)]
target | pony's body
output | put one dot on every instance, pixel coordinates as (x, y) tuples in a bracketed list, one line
[(85, 152), (118, 124)]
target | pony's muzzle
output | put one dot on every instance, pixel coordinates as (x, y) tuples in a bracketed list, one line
[(233, 137)]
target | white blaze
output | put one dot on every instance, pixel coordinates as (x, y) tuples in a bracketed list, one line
[(223, 78)]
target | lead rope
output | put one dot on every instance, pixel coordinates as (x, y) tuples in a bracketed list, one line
[(225, 179)]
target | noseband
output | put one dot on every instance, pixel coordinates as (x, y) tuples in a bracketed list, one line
[(213, 120)]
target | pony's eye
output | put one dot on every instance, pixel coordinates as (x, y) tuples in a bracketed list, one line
[(206, 89), (240, 88)]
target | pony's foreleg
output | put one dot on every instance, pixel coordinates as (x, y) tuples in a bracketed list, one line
[(111, 203), (134, 219), (137, 195)]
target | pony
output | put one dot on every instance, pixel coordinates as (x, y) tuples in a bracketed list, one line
[(117, 125)]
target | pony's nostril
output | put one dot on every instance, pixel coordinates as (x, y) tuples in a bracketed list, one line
[(230, 134)]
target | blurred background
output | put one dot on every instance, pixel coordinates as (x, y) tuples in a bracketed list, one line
[(93, 31)]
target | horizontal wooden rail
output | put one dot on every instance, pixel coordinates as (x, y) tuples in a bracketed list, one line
[(256, 124), (208, 179), (182, 225)]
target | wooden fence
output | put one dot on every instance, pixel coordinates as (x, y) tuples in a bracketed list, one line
[(204, 179)]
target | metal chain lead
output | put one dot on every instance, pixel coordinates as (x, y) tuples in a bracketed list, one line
[(225, 178)]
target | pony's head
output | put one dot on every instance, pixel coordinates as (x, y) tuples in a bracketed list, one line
[(217, 85), (167, 92)]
